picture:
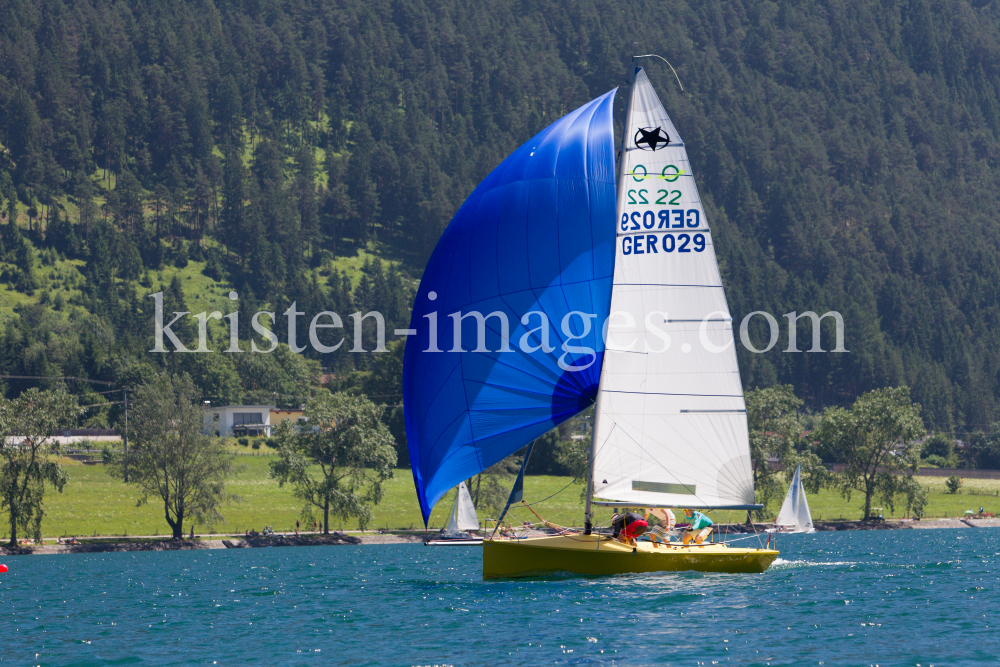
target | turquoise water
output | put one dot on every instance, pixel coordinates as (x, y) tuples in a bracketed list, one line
[(852, 598)]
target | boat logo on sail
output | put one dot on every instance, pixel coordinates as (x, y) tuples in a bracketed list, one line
[(651, 138)]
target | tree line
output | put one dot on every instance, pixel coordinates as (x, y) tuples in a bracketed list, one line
[(339, 463)]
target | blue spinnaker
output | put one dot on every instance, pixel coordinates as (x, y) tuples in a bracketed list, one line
[(537, 235)]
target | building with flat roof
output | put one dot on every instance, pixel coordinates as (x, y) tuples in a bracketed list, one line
[(238, 420)]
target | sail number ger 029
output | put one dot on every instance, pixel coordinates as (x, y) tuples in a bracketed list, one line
[(671, 218), (651, 244)]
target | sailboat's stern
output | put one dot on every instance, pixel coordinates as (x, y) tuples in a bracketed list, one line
[(595, 555)]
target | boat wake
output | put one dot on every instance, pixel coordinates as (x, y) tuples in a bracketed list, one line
[(781, 562)]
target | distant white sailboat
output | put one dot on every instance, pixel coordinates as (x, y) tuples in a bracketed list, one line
[(794, 516), (463, 518)]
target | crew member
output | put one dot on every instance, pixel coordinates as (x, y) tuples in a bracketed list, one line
[(660, 533), (628, 527), (699, 529)]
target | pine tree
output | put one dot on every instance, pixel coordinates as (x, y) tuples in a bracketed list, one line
[(24, 139), (338, 208), (229, 115), (305, 190), (233, 219), (360, 186)]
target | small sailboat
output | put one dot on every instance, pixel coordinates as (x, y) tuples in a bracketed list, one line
[(557, 287), (794, 516), (463, 518)]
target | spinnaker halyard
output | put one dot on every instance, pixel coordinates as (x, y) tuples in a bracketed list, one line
[(577, 288)]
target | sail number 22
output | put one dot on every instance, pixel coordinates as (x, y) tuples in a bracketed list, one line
[(664, 197)]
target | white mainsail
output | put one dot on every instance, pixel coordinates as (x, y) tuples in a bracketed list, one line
[(463, 514), (794, 514), (670, 427)]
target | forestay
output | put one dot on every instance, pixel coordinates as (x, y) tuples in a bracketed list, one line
[(536, 236), (671, 428)]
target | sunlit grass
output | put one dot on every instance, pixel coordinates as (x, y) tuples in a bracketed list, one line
[(63, 277), (201, 293), (829, 504), (95, 504)]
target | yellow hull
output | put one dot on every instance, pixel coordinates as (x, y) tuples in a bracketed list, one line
[(597, 555)]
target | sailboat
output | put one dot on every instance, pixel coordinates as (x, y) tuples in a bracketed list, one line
[(462, 519), (794, 516), (558, 286)]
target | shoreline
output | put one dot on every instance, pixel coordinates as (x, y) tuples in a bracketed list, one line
[(112, 544), (895, 524)]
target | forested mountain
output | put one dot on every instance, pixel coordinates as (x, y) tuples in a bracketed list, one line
[(847, 153)]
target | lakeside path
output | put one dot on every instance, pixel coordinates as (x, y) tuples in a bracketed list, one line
[(161, 543), (926, 524)]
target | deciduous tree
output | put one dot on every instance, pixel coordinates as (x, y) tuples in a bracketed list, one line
[(27, 424), (876, 438), (774, 431), (339, 460), (170, 457)]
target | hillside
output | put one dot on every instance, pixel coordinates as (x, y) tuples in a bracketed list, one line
[(847, 153)]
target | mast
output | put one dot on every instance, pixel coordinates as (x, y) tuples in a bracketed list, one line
[(588, 516)]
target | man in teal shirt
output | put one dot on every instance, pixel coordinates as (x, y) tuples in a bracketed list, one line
[(700, 528)]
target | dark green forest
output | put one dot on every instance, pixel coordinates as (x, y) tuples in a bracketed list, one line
[(312, 151)]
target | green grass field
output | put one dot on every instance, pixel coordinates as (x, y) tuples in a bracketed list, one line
[(95, 504)]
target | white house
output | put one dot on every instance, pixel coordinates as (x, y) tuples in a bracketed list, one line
[(237, 420)]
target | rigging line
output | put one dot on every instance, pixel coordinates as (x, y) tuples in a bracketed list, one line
[(740, 539), (665, 285), (706, 505), (54, 377), (573, 481), (697, 466), (653, 55), (97, 405), (538, 502), (99, 393)]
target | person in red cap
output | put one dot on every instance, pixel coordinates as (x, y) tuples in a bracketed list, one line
[(629, 526)]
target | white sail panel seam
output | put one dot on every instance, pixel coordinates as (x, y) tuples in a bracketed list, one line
[(661, 393), (653, 459)]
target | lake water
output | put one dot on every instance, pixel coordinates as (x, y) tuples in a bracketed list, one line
[(886, 597)]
